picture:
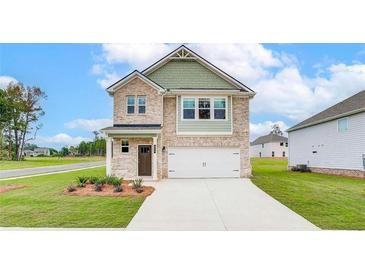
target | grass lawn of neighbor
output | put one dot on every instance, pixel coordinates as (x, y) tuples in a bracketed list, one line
[(330, 202), (42, 204), (46, 161)]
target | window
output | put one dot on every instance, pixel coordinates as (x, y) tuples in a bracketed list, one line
[(273, 154), (130, 104), (286, 144), (204, 108), (342, 125), (281, 144), (220, 108), (189, 108), (125, 146), (283, 153), (260, 154), (142, 104), (262, 145)]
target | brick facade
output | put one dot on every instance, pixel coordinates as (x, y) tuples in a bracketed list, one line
[(153, 109), (339, 172), (239, 138)]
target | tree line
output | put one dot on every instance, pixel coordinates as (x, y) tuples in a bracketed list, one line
[(20, 110)]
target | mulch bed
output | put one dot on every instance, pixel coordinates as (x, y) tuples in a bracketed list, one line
[(10, 187), (108, 190)]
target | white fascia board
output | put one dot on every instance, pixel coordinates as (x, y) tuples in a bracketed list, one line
[(135, 132), (131, 77), (233, 92)]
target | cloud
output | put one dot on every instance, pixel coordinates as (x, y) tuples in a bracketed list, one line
[(5, 81), (264, 128), (89, 124), (136, 55), (60, 139), (282, 89)]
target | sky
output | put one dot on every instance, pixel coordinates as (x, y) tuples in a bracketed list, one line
[(292, 81)]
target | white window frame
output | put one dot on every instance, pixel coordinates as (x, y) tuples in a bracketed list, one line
[(182, 108), (347, 124), (126, 103), (145, 105), (197, 107), (121, 146)]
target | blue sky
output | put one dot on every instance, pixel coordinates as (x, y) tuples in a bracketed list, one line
[(293, 81)]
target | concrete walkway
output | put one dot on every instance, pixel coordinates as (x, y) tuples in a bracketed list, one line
[(214, 204), (47, 169)]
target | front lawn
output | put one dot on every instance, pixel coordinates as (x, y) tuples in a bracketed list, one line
[(42, 204), (330, 202), (46, 161)]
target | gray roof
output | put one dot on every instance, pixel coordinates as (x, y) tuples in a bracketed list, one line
[(270, 138), (352, 105)]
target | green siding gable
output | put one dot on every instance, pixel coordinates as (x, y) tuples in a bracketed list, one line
[(187, 74)]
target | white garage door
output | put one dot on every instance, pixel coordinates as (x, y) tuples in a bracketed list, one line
[(203, 162)]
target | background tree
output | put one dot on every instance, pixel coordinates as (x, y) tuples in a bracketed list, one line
[(25, 111), (64, 151), (276, 130)]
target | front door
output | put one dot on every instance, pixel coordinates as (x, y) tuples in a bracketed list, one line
[(144, 160)]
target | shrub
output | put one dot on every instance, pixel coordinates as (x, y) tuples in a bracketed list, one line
[(137, 184), (115, 181), (81, 181), (71, 188), (118, 188), (98, 187), (93, 179)]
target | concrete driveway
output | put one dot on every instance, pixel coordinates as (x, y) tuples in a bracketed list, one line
[(214, 204)]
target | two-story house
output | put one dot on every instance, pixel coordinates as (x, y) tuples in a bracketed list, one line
[(270, 145), (182, 117)]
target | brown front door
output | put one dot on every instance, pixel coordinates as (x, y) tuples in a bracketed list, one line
[(144, 160)]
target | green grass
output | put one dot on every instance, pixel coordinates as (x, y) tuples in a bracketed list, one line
[(46, 161), (43, 204), (330, 202)]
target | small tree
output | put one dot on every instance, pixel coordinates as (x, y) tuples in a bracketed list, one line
[(276, 130)]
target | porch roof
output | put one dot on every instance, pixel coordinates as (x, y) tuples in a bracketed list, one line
[(133, 130)]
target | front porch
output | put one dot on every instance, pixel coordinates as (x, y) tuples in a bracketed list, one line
[(133, 152)]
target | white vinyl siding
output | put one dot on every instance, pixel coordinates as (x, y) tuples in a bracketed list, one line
[(324, 146), (267, 149)]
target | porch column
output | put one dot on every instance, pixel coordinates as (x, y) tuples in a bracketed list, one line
[(109, 156), (154, 158)]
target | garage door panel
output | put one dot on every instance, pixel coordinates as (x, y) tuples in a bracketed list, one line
[(203, 162)]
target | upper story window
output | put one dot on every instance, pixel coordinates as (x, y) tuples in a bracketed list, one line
[(286, 144), (189, 108), (262, 145), (343, 124), (220, 108), (130, 104), (204, 108), (281, 144), (142, 104)]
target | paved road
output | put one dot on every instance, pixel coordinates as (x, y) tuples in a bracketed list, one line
[(214, 204), (47, 169)]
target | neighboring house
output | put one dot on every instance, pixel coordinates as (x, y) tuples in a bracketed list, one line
[(332, 141), (36, 152), (182, 117), (271, 145)]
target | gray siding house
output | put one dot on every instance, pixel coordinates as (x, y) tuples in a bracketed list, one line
[(182, 117), (332, 141), (270, 145)]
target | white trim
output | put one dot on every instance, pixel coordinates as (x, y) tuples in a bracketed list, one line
[(154, 158), (197, 107), (145, 104), (204, 133), (132, 76), (126, 104), (232, 115), (177, 114), (138, 158), (137, 132), (109, 147)]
